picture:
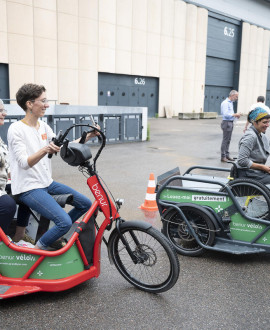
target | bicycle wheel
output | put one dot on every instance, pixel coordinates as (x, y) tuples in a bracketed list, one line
[(156, 268), (252, 196), (176, 229)]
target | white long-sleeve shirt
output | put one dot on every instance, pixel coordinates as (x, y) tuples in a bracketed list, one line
[(24, 141)]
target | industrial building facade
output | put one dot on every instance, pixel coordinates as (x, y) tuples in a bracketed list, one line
[(180, 55)]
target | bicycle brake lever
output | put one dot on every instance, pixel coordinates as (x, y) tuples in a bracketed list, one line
[(64, 148), (83, 137)]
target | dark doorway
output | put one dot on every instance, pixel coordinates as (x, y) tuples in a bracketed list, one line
[(128, 91), (4, 83), (222, 61)]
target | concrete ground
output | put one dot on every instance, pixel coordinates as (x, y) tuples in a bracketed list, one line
[(214, 291)]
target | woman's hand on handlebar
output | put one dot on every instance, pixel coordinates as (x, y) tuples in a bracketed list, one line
[(52, 148), (93, 133)]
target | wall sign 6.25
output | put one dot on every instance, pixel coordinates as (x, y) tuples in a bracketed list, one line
[(229, 32)]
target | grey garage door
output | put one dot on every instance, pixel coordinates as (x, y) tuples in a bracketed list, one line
[(4, 82), (222, 61), (127, 90)]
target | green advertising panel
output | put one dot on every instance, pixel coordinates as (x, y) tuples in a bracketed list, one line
[(244, 230), (217, 202), (15, 264), (67, 264)]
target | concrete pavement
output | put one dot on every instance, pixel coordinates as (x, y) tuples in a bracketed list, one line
[(215, 291)]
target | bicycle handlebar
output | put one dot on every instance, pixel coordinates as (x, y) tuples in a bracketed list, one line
[(60, 138)]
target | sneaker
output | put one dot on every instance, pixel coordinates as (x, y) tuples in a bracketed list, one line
[(22, 243)]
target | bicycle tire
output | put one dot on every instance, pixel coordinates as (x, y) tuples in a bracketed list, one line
[(175, 228), (158, 268), (252, 196)]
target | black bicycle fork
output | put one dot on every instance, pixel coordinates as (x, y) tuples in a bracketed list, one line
[(134, 258)]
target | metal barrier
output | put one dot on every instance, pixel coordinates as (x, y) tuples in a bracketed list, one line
[(118, 126)]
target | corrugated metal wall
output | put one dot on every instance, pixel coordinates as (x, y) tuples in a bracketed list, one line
[(222, 60)]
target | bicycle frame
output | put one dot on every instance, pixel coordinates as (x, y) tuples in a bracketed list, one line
[(27, 284)]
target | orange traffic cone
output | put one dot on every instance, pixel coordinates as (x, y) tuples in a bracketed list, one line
[(150, 203)]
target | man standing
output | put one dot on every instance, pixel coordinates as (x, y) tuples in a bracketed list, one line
[(228, 116)]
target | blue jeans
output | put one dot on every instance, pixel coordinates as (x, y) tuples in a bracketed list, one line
[(41, 201)]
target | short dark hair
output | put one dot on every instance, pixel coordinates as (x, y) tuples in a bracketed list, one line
[(261, 99), (28, 92)]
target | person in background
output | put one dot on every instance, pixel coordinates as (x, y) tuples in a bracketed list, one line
[(228, 117), (254, 148), (30, 142), (7, 203), (260, 104)]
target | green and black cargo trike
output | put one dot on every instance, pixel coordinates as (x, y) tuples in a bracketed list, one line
[(203, 212)]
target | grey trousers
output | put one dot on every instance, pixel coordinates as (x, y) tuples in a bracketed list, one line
[(227, 128)]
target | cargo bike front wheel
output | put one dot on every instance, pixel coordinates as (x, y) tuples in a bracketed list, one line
[(154, 265)]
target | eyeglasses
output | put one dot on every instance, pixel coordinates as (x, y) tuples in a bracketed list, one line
[(3, 110), (44, 101)]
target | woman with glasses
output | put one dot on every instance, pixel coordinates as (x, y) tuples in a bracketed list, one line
[(30, 142), (7, 203)]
